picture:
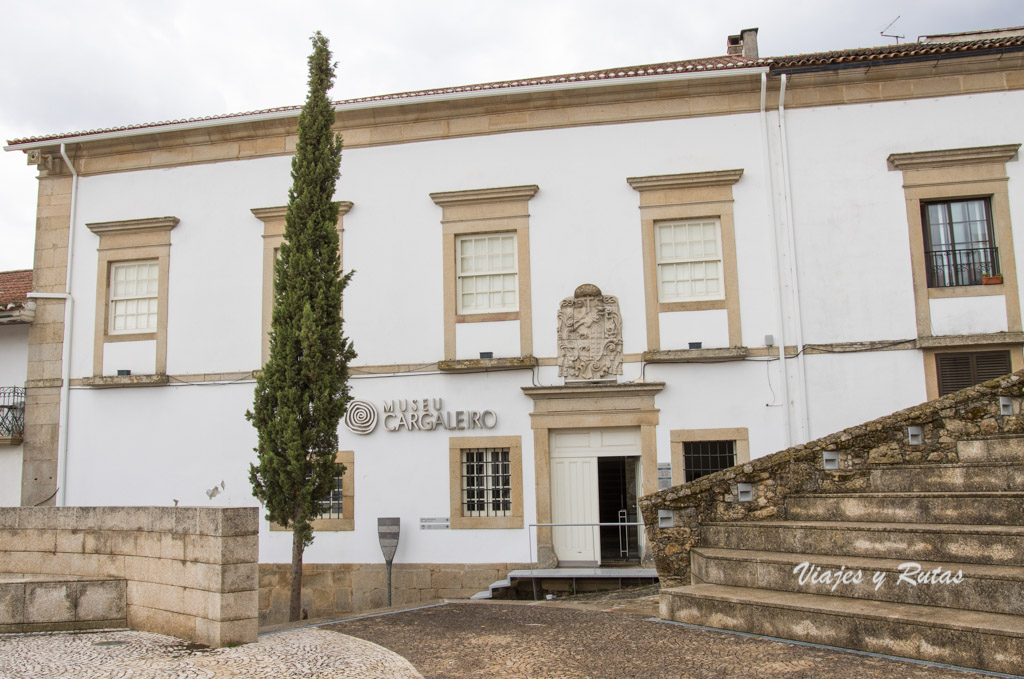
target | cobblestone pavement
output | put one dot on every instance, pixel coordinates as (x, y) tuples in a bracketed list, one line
[(139, 655), (552, 640)]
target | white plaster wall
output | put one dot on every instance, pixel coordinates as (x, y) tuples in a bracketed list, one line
[(13, 371), (10, 475), (850, 212), (967, 315), (679, 328), (847, 389), (13, 355), (139, 357), (499, 337)]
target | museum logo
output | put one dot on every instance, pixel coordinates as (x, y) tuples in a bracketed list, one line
[(422, 414)]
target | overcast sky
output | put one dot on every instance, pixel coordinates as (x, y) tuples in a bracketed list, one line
[(72, 65)]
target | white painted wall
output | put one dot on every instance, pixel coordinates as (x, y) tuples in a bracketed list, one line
[(679, 328), (13, 371), (960, 315), (155, 445), (139, 357)]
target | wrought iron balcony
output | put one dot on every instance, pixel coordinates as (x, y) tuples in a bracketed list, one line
[(12, 415), (949, 268)]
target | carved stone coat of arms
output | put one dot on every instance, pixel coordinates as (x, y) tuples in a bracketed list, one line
[(589, 335)]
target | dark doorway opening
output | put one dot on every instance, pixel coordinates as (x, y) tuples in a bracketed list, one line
[(617, 483)]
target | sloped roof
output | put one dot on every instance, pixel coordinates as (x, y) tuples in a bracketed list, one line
[(886, 53), (728, 62), (911, 50), (15, 286)]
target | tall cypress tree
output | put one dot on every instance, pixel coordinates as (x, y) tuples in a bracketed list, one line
[(302, 392)]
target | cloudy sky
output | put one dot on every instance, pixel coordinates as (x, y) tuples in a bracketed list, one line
[(70, 65)]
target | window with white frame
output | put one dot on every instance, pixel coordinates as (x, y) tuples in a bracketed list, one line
[(133, 296), (689, 256), (486, 270), (486, 482)]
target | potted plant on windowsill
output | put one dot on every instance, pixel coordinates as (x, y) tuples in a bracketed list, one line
[(988, 278)]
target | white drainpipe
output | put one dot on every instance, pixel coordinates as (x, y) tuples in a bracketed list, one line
[(795, 281), (65, 386), (776, 263)]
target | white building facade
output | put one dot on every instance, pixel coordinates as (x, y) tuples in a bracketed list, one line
[(794, 245)]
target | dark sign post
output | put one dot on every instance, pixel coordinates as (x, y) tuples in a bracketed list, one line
[(387, 533)]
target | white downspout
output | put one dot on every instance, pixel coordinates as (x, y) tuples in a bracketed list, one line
[(776, 263), (65, 386), (805, 421)]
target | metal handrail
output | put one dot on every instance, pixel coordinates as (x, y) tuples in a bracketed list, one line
[(597, 542), (12, 412), (951, 267)]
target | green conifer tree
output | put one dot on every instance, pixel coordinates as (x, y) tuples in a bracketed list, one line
[(302, 392)]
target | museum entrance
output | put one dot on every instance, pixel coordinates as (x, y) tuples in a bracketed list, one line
[(595, 479)]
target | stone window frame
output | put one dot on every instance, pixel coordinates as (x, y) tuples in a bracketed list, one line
[(125, 241), (956, 174), (347, 523), (273, 219), (484, 211), (456, 444), (689, 196), (951, 174), (740, 436)]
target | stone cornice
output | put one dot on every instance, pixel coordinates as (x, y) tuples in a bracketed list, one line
[(493, 195), (937, 341), (272, 214), (594, 390), (133, 225), (687, 180), (953, 157)]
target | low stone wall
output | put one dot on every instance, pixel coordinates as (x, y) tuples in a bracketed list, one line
[(972, 413), (190, 571), (40, 603), (338, 589)]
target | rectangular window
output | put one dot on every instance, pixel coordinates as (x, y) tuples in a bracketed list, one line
[(332, 506), (959, 246), (133, 296), (486, 270), (707, 457), (689, 256), (486, 482), (961, 370)]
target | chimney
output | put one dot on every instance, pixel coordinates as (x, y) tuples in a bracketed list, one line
[(744, 44)]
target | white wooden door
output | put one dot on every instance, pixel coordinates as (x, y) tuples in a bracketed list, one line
[(574, 500)]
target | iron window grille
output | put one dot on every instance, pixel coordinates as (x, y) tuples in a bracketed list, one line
[(707, 457), (12, 412), (960, 246), (486, 482), (331, 506)]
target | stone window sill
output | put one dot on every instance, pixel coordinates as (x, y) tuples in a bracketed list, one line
[(486, 364), (696, 355), (109, 381)]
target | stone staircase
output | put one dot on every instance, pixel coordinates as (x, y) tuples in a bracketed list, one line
[(922, 561)]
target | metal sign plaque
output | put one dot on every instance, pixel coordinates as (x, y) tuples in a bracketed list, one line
[(387, 532), (434, 523)]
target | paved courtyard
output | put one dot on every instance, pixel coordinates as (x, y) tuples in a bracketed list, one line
[(607, 638)]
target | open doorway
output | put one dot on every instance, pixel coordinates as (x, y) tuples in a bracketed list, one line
[(618, 484)]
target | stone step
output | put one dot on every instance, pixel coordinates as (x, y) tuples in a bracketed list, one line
[(987, 476), (999, 449), (989, 641), (997, 508), (953, 543), (994, 589)]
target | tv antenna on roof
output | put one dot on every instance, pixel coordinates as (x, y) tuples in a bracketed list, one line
[(885, 35)]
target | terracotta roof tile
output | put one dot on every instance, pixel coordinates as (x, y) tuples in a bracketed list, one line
[(922, 50), (919, 50), (730, 62), (15, 286)]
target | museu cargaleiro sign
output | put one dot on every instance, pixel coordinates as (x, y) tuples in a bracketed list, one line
[(419, 414)]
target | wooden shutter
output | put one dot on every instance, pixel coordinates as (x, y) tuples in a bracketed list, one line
[(961, 370)]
